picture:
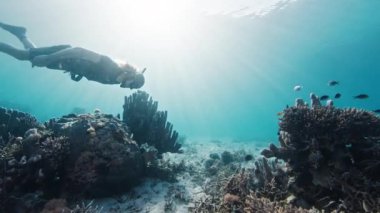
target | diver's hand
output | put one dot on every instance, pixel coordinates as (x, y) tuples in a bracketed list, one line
[(40, 61)]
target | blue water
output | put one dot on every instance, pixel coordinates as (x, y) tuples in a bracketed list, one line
[(218, 76)]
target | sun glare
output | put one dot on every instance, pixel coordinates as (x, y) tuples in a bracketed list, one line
[(161, 18), (166, 21)]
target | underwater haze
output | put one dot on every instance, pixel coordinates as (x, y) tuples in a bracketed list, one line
[(222, 69)]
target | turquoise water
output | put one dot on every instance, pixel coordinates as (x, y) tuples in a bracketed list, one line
[(218, 76)]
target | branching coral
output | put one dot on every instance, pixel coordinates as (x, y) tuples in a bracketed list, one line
[(254, 204), (60, 206), (149, 125), (266, 180), (259, 188)]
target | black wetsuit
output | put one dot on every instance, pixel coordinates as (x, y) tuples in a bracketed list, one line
[(104, 71)]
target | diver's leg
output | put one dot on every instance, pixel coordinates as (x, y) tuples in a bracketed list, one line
[(20, 33), (22, 55), (33, 52), (25, 55), (28, 44), (15, 30)]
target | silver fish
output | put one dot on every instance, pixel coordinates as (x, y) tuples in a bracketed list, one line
[(297, 88)]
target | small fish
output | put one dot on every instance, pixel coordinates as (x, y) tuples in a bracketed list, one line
[(297, 88), (324, 97), (338, 95), (280, 114), (376, 111), (333, 83), (361, 96)]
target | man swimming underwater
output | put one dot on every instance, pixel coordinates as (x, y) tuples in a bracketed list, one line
[(79, 62)]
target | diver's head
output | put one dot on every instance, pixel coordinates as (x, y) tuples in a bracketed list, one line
[(138, 81), (134, 80)]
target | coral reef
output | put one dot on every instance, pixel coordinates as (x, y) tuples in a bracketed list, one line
[(89, 155), (86, 155), (56, 206), (255, 204), (15, 123), (328, 161), (149, 125), (60, 206), (261, 188), (332, 157), (102, 154)]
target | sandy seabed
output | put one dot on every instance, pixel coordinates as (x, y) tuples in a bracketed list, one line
[(155, 196)]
